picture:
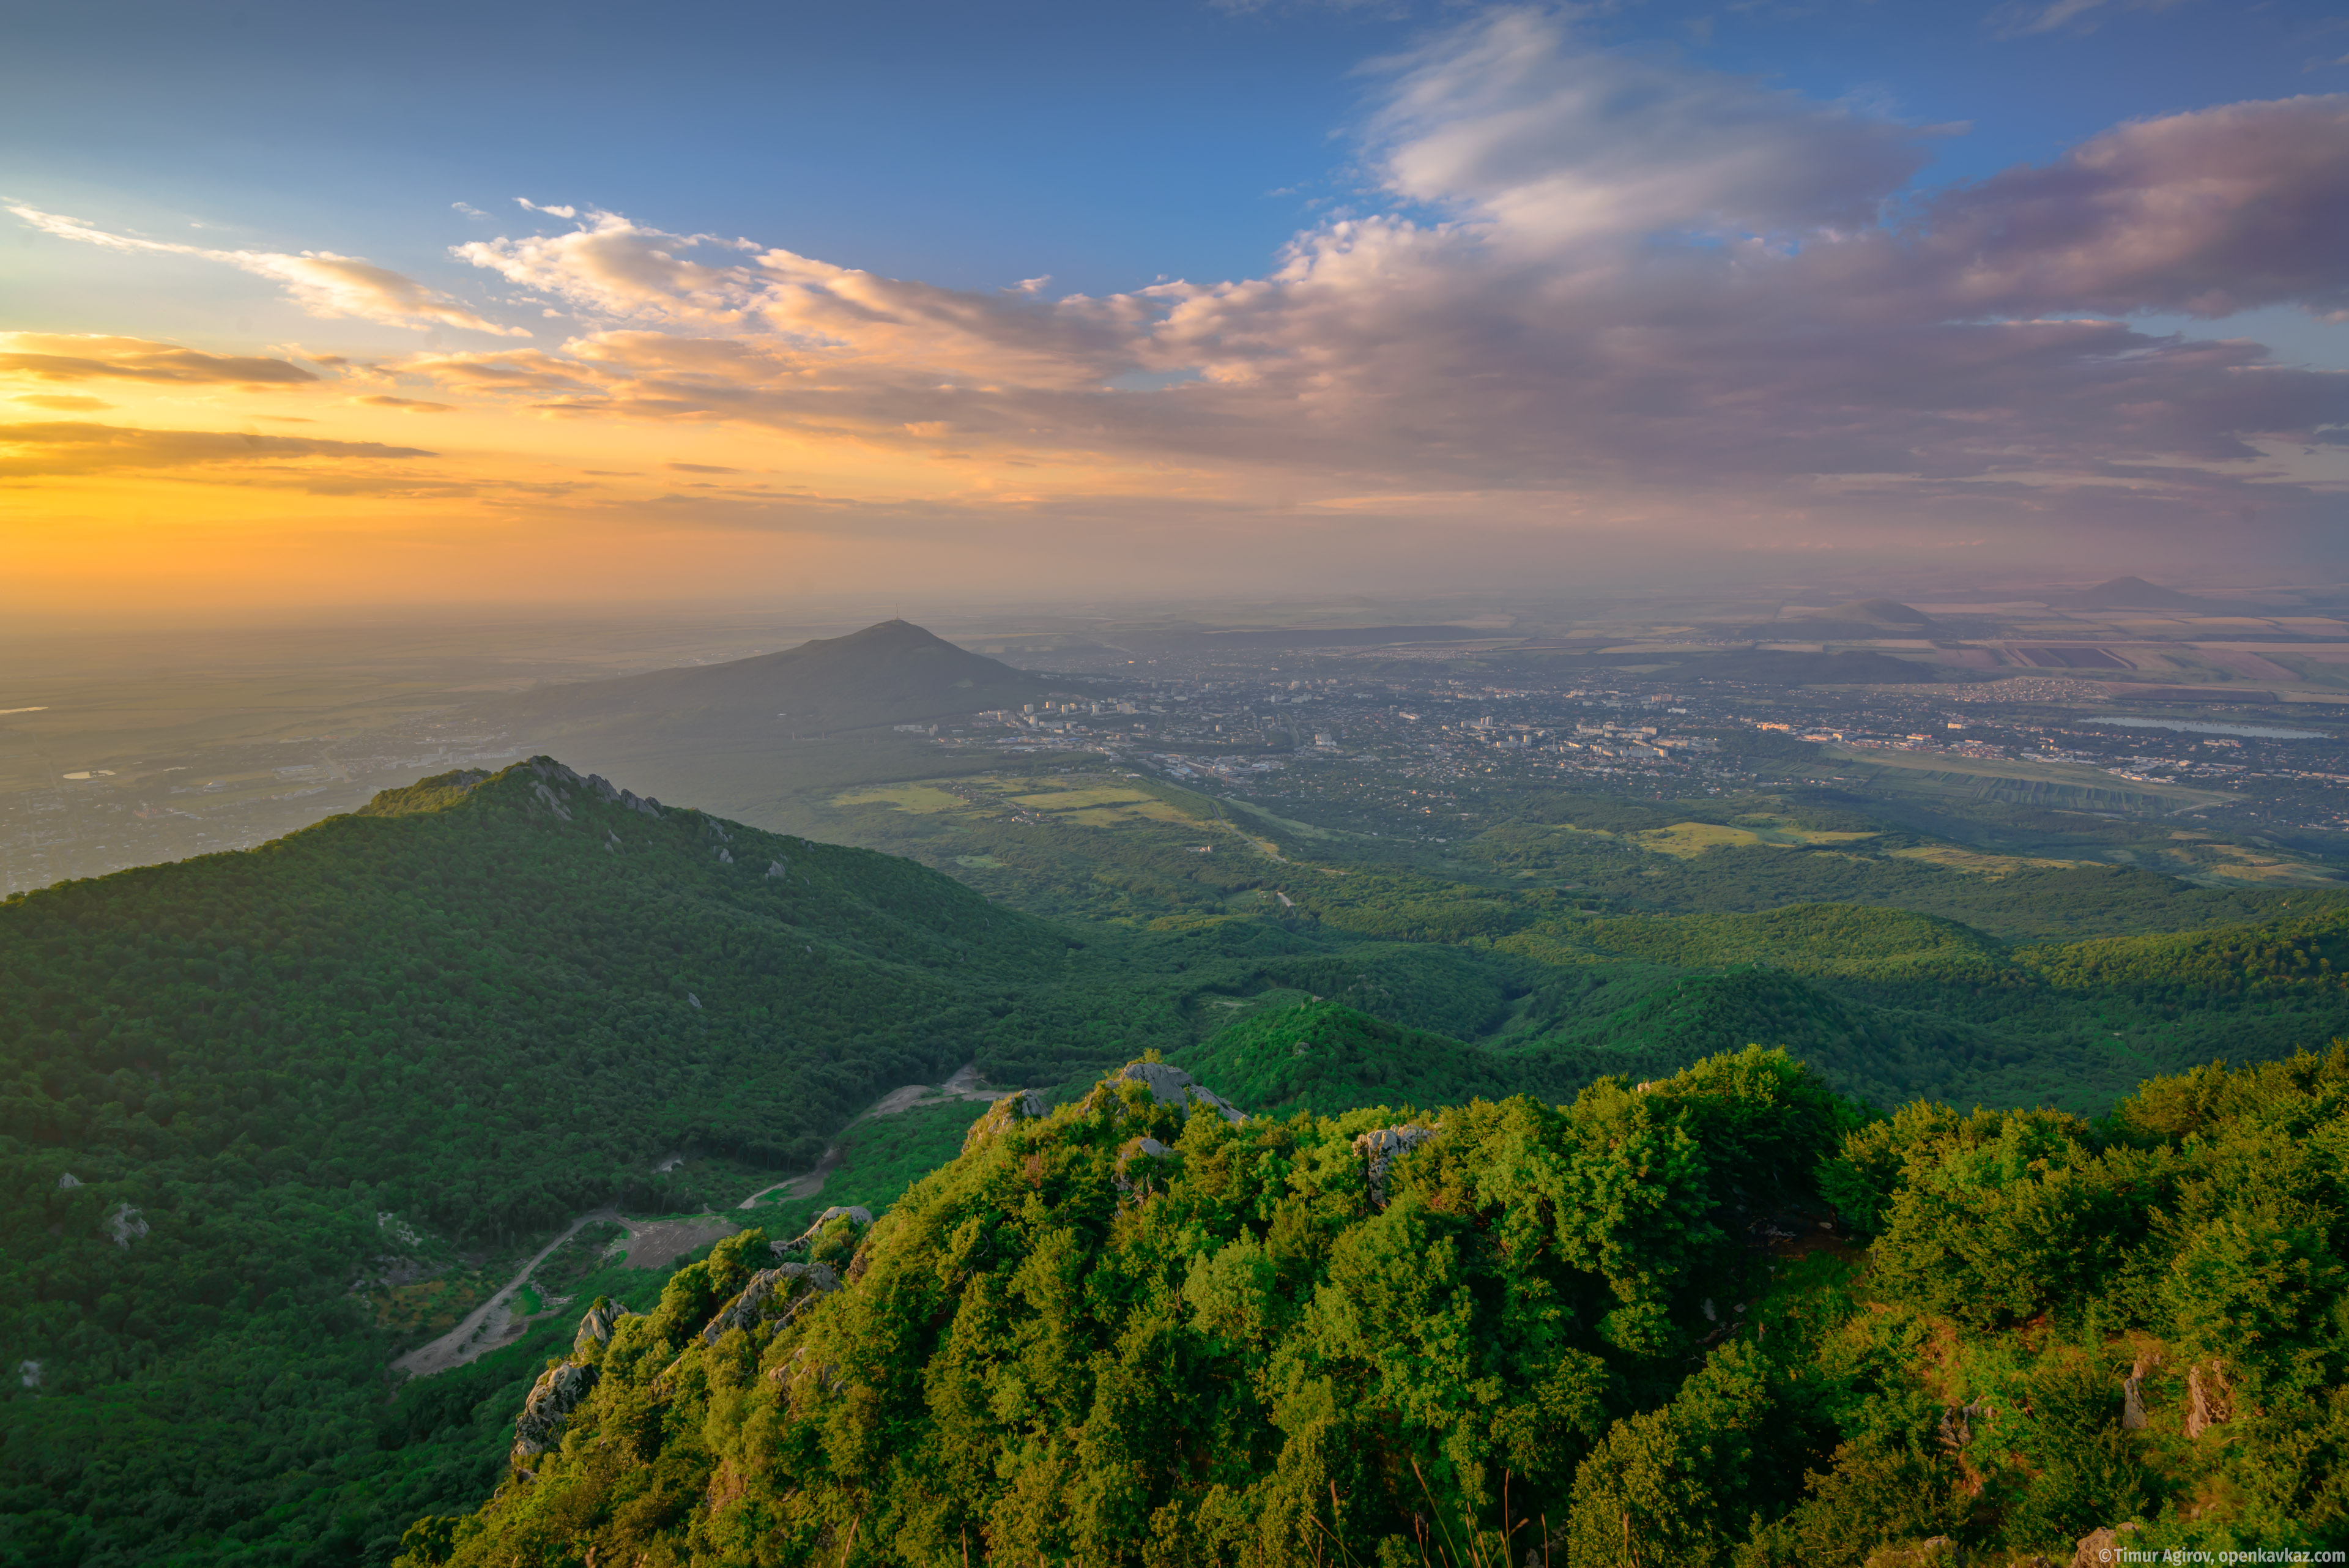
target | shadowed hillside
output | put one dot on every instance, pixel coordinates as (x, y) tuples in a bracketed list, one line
[(893, 672)]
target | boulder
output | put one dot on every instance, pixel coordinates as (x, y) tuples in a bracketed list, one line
[(774, 1295), (1132, 1169), (856, 1212), (1381, 1149), (552, 1399), (2209, 1401), (1024, 1105), (125, 1226), (2101, 1548), (595, 1328), (1169, 1085)]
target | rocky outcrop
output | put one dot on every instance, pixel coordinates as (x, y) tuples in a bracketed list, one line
[(1381, 1149), (2133, 1416), (856, 1212), (1957, 1424), (2101, 1548), (1007, 1113), (68, 1181), (557, 1392), (1135, 1162), (2210, 1398), (1168, 1084), (595, 1328), (779, 868), (773, 1298), (125, 1226)]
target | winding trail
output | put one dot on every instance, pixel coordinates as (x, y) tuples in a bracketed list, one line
[(484, 1328), (965, 1084)]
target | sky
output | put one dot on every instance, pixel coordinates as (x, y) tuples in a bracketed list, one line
[(303, 308)]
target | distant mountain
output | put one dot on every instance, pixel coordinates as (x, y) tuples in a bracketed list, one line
[(2135, 593), (1882, 612), (1855, 621), (891, 673)]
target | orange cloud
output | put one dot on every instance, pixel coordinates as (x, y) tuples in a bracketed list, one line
[(87, 357)]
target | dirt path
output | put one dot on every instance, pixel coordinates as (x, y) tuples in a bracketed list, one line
[(965, 1084), (484, 1328)]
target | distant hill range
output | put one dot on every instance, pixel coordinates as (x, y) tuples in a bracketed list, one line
[(2135, 593), (891, 673), (1859, 618)]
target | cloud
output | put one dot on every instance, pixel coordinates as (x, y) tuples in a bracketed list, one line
[(62, 405), (54, 448), (2021, 21), (2205, 213), (409, 405), (550, 211), (1604, 288), (74, 356), (321, 282), (1511, 121), (700, 468), (468, 209)]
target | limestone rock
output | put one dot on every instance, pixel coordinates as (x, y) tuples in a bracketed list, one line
[(645, 804), (29, 1374), (1957, 1424), (68, 1181), (2101, 1548), (779, 868), (551, 1398), (2133, 1416), (1169, 1085), (1131, 1173), (2209, 1400), (774, 1295), (595, 1328), (725, 855), (125, 1226), (554, 801), (857, 1212), (1381, 1148), (1007, 1113)]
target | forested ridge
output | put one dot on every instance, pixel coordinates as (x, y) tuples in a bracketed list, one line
[(1726, 1318), (239, 1094)]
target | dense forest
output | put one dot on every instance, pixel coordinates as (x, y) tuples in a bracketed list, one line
[(241, 1094), (1729, 1317)]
